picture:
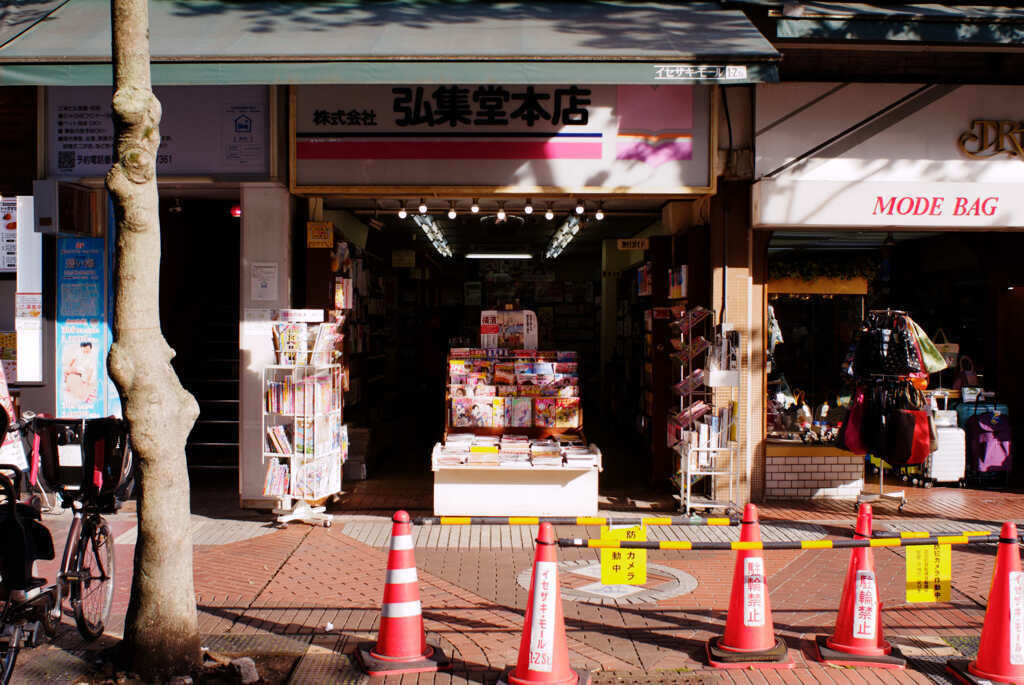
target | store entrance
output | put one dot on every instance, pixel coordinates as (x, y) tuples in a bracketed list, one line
[(415, 304)]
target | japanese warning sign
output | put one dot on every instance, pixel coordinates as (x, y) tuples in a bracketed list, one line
[(865, 606), (623, 566), (542, 622), (928, 573), (1016, 618), (753, 592)]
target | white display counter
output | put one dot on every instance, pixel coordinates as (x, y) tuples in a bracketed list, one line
[(486, 490)]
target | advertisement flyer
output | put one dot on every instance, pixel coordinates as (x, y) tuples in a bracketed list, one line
[(8, 234), (81, 328)]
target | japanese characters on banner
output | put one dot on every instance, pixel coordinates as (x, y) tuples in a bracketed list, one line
[(542, 620), (865, 616), (623, 566), (1017, 618), (511, 330), (8, 234), (81, 328), (929, 572), (650, 139), (204, 129), (753, 592)]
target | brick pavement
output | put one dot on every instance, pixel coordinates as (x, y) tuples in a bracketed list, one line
[(295, 581)]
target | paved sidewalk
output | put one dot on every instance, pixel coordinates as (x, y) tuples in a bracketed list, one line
[(315, 591)]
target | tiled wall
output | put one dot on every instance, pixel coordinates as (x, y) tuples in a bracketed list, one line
[(834, 477)]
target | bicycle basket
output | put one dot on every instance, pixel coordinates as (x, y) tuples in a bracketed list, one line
[(89, 455)]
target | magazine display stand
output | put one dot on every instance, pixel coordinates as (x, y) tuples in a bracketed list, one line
[(697, 433), (514, 444), (305, 440)]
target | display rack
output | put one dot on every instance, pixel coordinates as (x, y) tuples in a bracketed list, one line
[(305, 442), (703, 447)]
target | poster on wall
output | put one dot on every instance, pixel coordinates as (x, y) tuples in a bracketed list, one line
[(8, 234), (639, 138), (81, 328)]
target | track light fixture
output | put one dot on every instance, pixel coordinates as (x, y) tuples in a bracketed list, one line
[(579, 207), (451, 209), (423, 206), (563, 236), (501, 211), (528, 208), (401, 211), (475, 207), (550, 213), (599, 214), (434, 235)]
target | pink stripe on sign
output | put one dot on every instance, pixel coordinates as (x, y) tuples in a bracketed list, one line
[(455, 149)]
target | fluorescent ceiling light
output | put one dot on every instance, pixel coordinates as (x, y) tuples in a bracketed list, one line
[(499, 255)]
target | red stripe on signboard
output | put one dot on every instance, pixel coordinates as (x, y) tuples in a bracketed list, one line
[(409, 149)]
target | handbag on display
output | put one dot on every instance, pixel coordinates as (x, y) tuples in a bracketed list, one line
[(931, 358), (967, 377), (851, 437), (908, 439), (908, 355), (949, 351)]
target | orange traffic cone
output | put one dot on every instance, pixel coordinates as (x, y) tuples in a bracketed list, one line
[(402, 642), (1001, 652), (857, 640), (544, 651), (749, 638)]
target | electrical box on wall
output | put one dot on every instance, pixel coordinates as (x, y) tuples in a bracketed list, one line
[(66, 208)]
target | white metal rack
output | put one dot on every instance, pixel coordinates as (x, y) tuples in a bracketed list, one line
[(700, 450), (303, 407)]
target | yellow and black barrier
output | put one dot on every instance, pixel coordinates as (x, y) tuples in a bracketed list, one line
[(575, 520), (907, 534), (795, 544)]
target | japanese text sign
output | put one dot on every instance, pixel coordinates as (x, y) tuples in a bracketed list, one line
[(542, 619), (624, 566), (928, 573)]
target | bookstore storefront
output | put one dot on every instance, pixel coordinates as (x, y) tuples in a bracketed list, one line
[(884, 197)]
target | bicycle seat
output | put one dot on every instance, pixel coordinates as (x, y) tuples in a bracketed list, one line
[(23, 540)]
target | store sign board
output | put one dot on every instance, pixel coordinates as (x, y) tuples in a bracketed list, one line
[(645, 139), (319, 234), (634, 243), (788, 202), (203, 130)]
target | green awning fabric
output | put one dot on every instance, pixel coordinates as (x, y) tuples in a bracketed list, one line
[(410, 41)]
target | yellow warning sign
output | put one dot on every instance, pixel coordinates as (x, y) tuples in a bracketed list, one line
[(929, 571), (623, 566)]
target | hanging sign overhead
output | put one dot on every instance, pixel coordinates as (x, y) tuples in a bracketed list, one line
[(649, 139), (634, 243)]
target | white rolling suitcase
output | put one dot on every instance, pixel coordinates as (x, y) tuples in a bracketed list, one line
[(948, 464)]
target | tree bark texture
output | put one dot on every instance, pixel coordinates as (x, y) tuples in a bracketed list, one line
[(161, 635)]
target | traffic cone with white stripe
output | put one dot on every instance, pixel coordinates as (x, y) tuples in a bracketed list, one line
[(544, 650), (749, 639), (1001, 650), (402, 642), (857, 640)]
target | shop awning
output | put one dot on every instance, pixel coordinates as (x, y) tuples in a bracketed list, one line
[(58, 43)]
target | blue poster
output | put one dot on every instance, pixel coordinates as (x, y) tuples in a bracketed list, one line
[(81, 328)]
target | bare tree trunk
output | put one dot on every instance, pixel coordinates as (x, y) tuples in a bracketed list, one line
[(161, 634)]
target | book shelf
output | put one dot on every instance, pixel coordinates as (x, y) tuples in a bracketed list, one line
[(541, 465), (305, 441)]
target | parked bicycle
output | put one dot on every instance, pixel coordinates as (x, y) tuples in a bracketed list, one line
[(89, 464)]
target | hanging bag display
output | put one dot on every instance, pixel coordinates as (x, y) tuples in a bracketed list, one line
[(932, 359), (907, 437), (851, 437), (949, 351), (908, 355)]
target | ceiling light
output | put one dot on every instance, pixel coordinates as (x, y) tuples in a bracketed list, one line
[(423, 206), (434, 235), (501, 211), (475, 207), (499, 255), (528, 209), (550, 214), (562, 237), (451, 209), (579, 207), (401, 211), (599, 214)]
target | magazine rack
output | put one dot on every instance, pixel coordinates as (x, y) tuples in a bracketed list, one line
[(702, 446), (304, 439), (522, 488)]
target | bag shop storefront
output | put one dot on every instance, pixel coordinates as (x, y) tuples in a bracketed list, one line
[(889, 201)]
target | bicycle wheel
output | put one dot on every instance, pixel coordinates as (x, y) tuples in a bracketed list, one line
[(93, 588), (9, 648)]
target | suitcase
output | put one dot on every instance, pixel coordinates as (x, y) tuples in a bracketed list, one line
[(948, 464), (965, 410), (989, 443)]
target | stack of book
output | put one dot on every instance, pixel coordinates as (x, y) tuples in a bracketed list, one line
[(456, 449), (577, 456), (514, 451), (483, 450), (546, 453)]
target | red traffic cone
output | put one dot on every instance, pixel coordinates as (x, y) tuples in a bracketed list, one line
[(1001, 652), (857, 640), (749, 638), (402, 642), (544, 651)]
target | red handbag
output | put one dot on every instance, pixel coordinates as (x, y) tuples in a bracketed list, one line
[(907, 437), (852, 439)]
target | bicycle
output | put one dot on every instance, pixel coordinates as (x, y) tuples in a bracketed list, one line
[(89, 462)]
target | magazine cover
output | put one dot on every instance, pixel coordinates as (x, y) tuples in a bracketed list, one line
[(544, 412), (504, 373), (290, 342), (460, 391), (481, 412), (566, 355), (567, 368), (567, 412), (461, 412), (519, 412), (484, 390), (498, 411), (507, 391)]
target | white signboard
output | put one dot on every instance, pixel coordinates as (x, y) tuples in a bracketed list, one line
[(542, 620), (203, 130), (753, 592), (641, 138)]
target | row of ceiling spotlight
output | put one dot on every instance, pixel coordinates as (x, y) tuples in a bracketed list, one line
[(501, 214)]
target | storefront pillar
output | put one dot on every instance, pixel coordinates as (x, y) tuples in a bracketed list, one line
[(737, 294), (266, 265)]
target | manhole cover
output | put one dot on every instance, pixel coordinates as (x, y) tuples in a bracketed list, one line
[(576, 580)]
